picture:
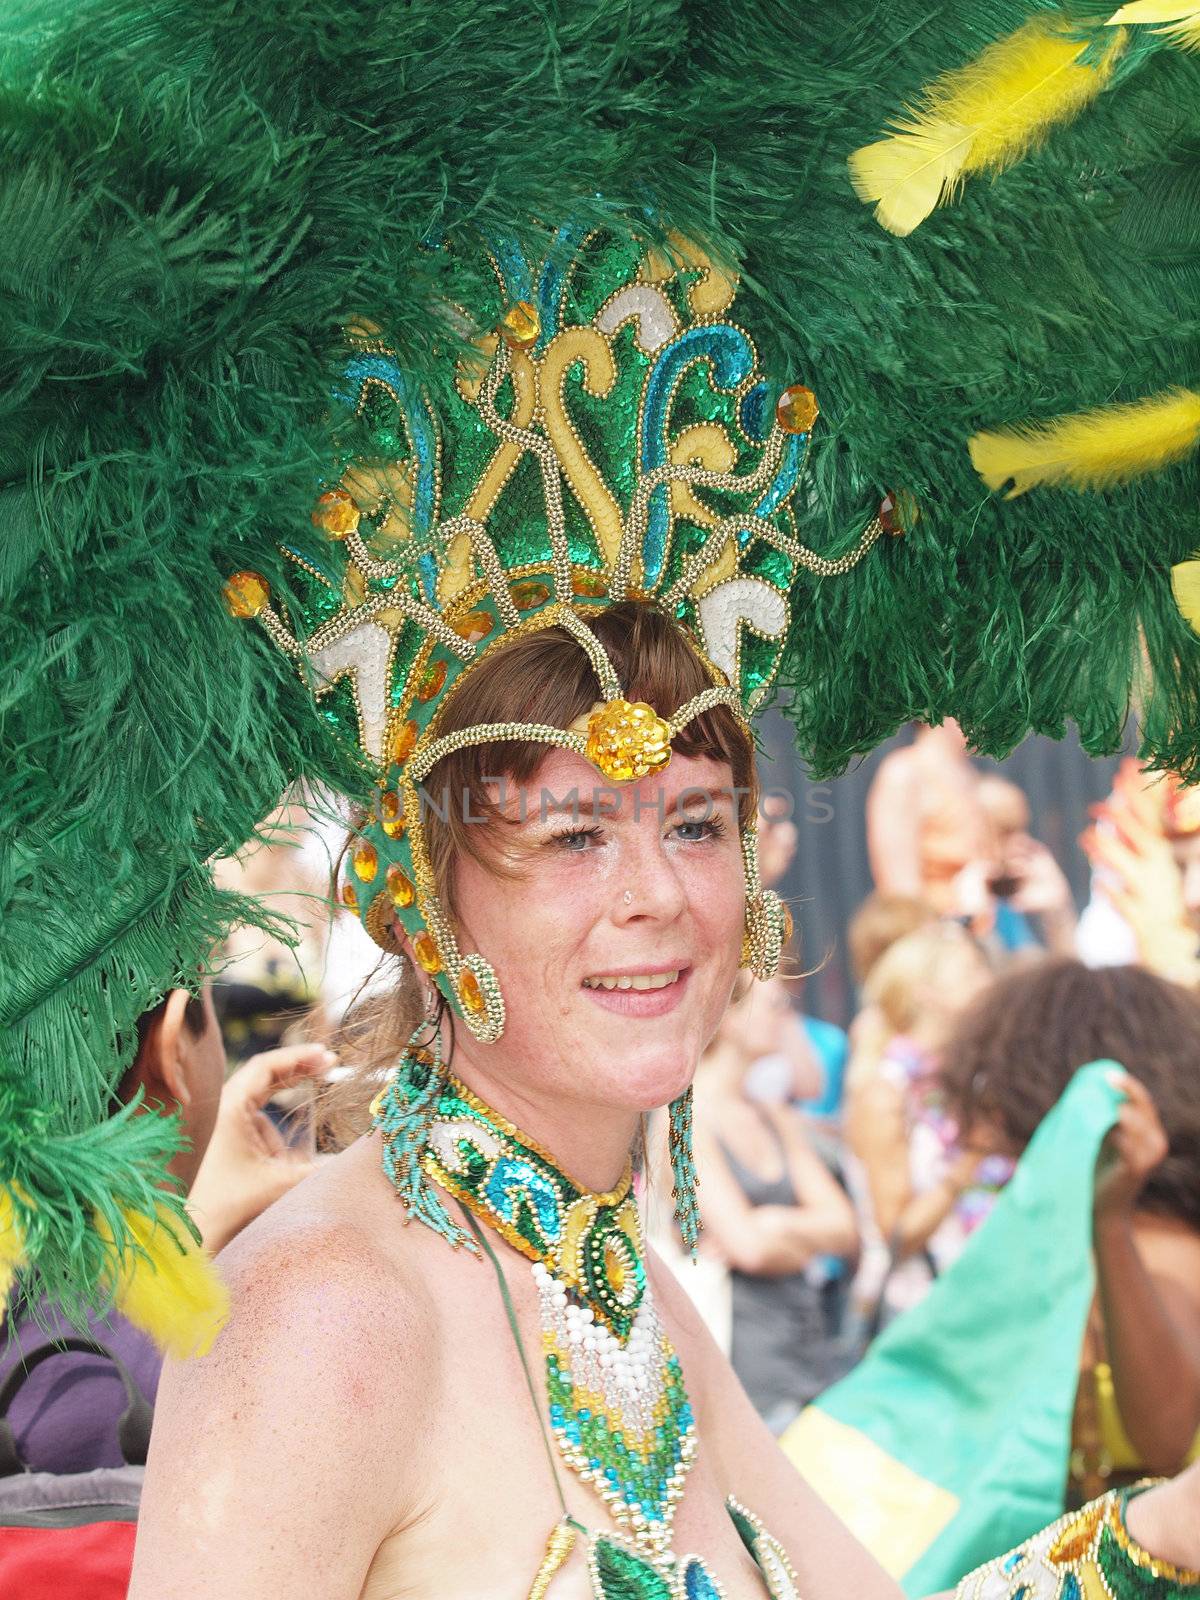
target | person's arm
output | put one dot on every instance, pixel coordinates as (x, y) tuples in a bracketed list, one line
[(893, 838), (879, 1138), (1148, 1271), (274, 1469), (833, 1227), (765, 1241)]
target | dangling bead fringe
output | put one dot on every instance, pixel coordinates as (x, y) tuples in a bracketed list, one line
[(403, 1115), (683, 1170)]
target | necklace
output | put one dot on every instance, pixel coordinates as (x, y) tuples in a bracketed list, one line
[(619, 1411)]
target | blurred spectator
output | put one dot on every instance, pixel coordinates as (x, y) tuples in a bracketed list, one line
[(879, 921), (233, 1164), (772, 1211), (778, 837), (265, 986), (1021, 877), (1003, 1067), (925, 821), (919, 1194), (1144, 847)]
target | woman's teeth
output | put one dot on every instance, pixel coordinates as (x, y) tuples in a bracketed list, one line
[(640, 980)]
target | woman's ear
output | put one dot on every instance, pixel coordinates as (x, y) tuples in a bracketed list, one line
[(168, 1062)]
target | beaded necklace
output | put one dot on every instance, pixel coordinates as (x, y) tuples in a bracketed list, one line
[(619, 1411)]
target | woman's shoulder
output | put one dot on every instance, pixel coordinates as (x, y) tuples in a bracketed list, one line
[(333, 1262)]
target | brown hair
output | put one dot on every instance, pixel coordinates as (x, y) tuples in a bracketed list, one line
[(541, 677), (878, 923), (1014, 1051)]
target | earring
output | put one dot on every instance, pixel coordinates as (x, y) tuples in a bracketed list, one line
[(403, 1113), (683, 1170), (766, 930)]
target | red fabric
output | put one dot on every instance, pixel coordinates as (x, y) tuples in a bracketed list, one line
[(88, 1563)]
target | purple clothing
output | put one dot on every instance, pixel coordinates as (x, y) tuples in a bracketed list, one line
[(65, 1414)]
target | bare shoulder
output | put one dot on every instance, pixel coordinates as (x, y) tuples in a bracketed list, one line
[(306, 1419), (324, 1297)]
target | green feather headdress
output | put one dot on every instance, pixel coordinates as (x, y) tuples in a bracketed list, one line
[(198, 198)]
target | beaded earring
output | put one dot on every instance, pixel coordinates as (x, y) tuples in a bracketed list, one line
[(403, 1112), (683, 1170)]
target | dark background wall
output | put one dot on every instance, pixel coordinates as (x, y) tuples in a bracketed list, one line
[(830, 876)]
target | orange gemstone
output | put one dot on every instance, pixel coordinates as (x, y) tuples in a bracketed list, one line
[(404, 741), (589, 584), (527, 595), (246, 593), (349, 896), (337, 514), (431, 684), (366, 860), (470, 993), (400, 886), (796, 409), (898, 512), (426, 951), (476, 625), (789, 924), (521, 325), (391, 814)]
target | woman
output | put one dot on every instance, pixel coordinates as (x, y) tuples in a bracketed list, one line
[(346, 1434), (772, 1211), (921, 1192), (269, 245), (1012, 1055)]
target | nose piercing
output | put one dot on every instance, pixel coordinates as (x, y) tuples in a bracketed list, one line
[(628, 897)]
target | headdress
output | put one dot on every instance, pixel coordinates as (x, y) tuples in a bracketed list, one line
[(197, 203), (614, 437)]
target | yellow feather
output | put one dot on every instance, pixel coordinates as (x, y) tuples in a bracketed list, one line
[(1182, 23), (1092, 449), (12, 1245), (987, 114), (168, 1286), (1185, 586)]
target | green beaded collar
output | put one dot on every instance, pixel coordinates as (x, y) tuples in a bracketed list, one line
[(592, 1243)]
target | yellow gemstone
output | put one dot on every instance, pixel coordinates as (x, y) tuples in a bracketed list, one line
[(366, 860), (349, 896), (521, 325), (789, 924), (404, 741), (391, 814), (246, 593), (426, 951), (433, 680), (527, 595), (898, 512), (627, 741), (589, 585), (337, 514), (476, 625), (470, 993), (400, 886), (796, 409)]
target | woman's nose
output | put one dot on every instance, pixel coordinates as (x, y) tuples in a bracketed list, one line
[(648, 885)]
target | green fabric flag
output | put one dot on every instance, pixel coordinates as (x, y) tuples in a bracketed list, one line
[(949, 1443)]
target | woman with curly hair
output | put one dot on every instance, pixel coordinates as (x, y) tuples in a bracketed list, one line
[(1007, 1062)]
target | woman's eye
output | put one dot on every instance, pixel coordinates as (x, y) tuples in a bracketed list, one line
[(700, 828), (576, 839)]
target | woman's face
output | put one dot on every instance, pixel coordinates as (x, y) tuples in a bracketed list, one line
[(616, 943)]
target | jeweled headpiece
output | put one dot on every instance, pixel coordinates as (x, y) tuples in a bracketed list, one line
[(614, 438)]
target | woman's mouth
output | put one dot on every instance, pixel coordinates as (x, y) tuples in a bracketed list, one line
[(638, 994)]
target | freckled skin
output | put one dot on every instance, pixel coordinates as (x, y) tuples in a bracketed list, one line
[(362, 1429)]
